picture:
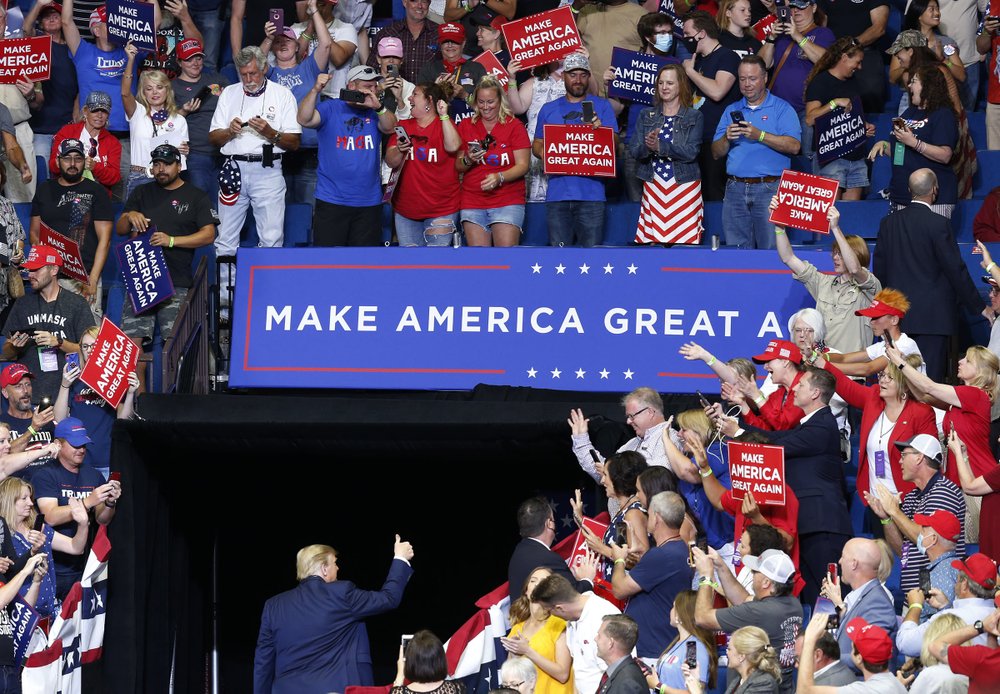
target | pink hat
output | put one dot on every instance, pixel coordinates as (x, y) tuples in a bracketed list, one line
[(390, 47)]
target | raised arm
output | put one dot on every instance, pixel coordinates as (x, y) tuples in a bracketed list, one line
[(971, 485), (859, 273), (70, 33), (939, 395), (693, 351), (128, 99), (784, 246)]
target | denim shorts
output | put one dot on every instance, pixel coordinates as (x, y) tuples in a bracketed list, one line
[(851, 174), (511, 214), (412, 232)]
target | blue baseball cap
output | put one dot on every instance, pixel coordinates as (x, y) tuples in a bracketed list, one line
[(72, 430)]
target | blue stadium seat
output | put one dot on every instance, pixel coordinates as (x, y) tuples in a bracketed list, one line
[(297, 229), (962, 217), (977, 127), (536, 231), (988, 174), (23, 210), (862, 217), (42, 165)]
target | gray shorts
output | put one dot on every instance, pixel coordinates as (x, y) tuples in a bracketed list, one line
[(140, 328)]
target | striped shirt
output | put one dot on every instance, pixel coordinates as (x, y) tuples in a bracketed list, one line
[(939, 494)]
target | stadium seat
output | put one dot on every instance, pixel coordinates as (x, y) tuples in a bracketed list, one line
[(977, 127), (297, 229), (42, 165), (862, 217), (988, 174)]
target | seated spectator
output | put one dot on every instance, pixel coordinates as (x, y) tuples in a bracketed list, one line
[(104, 151), (737, 34), (978, 663), (423, 667), (771, 607), (828, 667), (665, 145), (418, 35), (495, 159), (754, 660), (986, 225), (29, 429), (538, 638), (449, 65), (887, 310), (545, 84), (871, 654), (79, 400), (670, 676), (616, 639), (348, 210), (831, 86), (344, 40), (975, 582), (79, 209), (985, 486), (427, 198), (520, 675), (17, 507), (936, 677), (859, 564), (921, 460)]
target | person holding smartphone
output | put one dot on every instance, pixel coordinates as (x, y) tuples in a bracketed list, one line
[(692, 651)]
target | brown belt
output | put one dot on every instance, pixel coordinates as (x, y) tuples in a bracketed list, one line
[(759, 179)]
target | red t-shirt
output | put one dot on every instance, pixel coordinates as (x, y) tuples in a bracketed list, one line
[(428, 186), (972, 424), (989, 517), (784, 518), (981, 664), (509, 137)]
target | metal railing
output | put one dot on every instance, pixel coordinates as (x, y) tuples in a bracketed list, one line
[(185, 350)]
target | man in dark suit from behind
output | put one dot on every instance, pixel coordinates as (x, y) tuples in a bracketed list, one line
[(829, 671), (537, 525), (916, 253), (615, 640), (313, 637)]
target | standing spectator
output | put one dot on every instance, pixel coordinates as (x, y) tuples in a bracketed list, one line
[(540, 638), (52, 106), (80, 210), (712, 70), (936, 677), (864, 21), (831, 86), (425, 666), (50, 318), (754, 663), (759, 146), (871, 654), (197, 91), (520, 674), (737, 34), (984, 485), (348, 196), (670, 674), (254, 125), (343, 41), (925, 16), (916, 253), (12, 243), (299, 167), (208, 16), (28, 428), (665, 144), (606, 25), (828, 668), (21, 175), (959, 19), (545, 84), (490, 38), (427, 198), (358, 15), (494, 163), (175, 27), (616, 638), (988, 43), (574, 209), (454, 68), (247, 18), (184, 220), (418, 35), (888, 308), (104, 151), (389, 52)]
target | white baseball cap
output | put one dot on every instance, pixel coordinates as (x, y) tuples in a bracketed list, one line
[(773, 563)]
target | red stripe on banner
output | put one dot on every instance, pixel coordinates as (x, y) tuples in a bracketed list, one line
[(91, 656), (734, 271), (102, 545), (373, 370), (72, 601), (476, 625), (46, 657)]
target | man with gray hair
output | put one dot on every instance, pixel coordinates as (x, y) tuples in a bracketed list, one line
[(662, 572), (254, 125)]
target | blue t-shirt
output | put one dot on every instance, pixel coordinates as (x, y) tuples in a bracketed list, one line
[(98, 418), (59, 92), (936, 128), (562, 112), (753, 159), (349, 155), (719, 526), (299, 80), (54, 481), (662, 573), (668, 668), (101, 71)]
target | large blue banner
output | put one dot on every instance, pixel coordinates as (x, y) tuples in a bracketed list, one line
[(606, 319)]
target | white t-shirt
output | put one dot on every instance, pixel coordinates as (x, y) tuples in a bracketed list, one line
[(339, 31), (587, 667), (878, 440), (144, 136), (276, 105), (903, 343)]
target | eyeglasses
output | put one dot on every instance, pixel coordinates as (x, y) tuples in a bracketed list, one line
[(803, 331), (631, 417), (511, 685), (884, 376)]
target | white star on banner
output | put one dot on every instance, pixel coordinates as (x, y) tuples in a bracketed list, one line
[(556, 373), (604, 373), (584, 269), (536, 269), (580, 373), (608, 269), (531, 373), (632, 268), (628, 374), (560, 269)]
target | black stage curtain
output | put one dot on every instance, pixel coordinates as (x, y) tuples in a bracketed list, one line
[(256, 477)]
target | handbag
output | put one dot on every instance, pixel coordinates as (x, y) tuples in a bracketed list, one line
[(15, 285)]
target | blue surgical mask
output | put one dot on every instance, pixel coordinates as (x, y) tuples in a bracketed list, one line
[(664, 42), (920, 544)]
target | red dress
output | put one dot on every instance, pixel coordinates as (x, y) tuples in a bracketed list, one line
[(972, 424)]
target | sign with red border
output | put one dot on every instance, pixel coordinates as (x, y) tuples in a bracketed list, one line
[(579, 150), (758, 469), (68, 250), (542, 38), (803, 201), (29, 59), (113, 358), (488, 60)]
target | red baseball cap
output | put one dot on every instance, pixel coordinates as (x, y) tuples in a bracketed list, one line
[(452, 31), (871, 640), (878, 309), (54, 7), (978, 568), (98, 16), (13, 373), (779, 349), (40, 256), (189, 49), (944, 523)]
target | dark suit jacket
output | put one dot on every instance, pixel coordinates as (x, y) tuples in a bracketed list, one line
[(815, 470), (531, 554), (876, 608), (916, 254), (627, 679), (312, 638), (838, 675)]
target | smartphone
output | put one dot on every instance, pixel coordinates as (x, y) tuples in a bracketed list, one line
[(831, 569), (404, 641), (588, 112), (578, 520), (899, 123), (352, 96), (475, 147), (204, 93), (703, 400), (392, 70), (115, 477), (887, 338), (39, 522), (737, 117), (784, 13), (702, 543), (833, 621), (401, 135), (691, 655), (73, 359), (925, 582), (621, 534), (596, 458), (45, 403), (691, 545), (277, 17)]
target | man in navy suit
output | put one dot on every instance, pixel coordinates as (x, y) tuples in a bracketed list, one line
[(537, 526), (313, 637), (916, 253), (615, 640)]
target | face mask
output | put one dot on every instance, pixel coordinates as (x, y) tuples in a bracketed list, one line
[(920, 544), (691, 44), (663, 42)]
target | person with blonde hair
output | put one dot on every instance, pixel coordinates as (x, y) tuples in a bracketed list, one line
[(313, 638), (754, 659), (538, 638), (737, 34), (936, 677)]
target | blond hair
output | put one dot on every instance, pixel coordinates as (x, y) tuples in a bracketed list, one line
[(698, 422), (10, 491), (310, 558), (159, 78), (756, 646), (986, 364), (944, 623), (491, 82)]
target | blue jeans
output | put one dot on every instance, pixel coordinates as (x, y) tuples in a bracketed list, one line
[(970, 90), (581, 221), (211, 33), (203, 172), (42, 144), (413, 232), (135, 179), (744, 214), (10, 679)]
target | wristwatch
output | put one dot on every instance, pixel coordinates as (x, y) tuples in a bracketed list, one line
[(978, 624)]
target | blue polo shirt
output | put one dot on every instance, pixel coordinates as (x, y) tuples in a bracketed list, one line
[(753, 159), (563, 112)]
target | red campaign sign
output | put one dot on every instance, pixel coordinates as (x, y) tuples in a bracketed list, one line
[(25, 58), (67, 249), (579, 150), (542, 38), (758, 469), (488, 60), (580, 543), (764, 27), (803, 200), (111, 361)]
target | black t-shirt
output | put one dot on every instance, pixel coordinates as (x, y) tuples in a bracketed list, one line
[(741, 45), (199, 121), (824, 88), (721, 59), (849, 17), (178, 212), (526, 8), (72, 211), (59, 92)]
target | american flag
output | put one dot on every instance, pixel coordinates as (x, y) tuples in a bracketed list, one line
[(230, 183)]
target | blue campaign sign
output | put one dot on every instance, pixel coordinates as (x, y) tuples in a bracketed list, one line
[(839, 132), (144, 270), (443, 318), (131, 21), (635, 75)]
